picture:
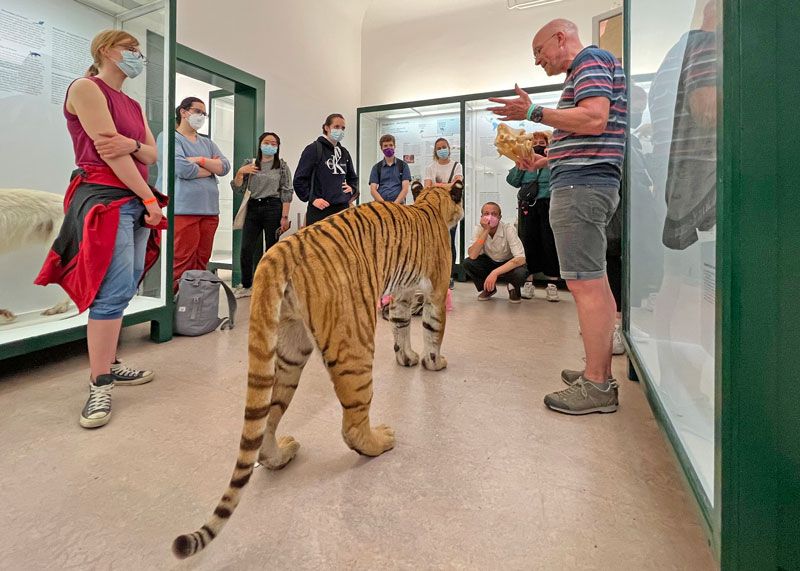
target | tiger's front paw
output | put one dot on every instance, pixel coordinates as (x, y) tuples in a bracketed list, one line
[(434, 362), (406, 358)]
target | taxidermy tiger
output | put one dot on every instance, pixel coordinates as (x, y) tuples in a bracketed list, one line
[(320, 287)]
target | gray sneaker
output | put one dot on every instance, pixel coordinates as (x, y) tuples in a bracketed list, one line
[(569, 377), (584, 397)]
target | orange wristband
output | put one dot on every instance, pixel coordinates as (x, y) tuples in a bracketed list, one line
[(203, 162), (149, 201), (479, 241)]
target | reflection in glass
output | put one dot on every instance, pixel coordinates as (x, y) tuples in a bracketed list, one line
[(672, 184)]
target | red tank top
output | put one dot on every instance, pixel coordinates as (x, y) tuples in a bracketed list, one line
[(127, 116)]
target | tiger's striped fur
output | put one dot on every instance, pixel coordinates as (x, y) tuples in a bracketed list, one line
[(321, 288)]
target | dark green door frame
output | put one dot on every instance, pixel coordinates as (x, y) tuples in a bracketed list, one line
[(758, 347), (249, 96)]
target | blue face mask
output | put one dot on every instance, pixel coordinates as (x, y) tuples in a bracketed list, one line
[(337, 134), (131, 64), (443, 153), (269, 150)]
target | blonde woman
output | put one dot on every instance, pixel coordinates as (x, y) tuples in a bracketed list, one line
[(110, 202)]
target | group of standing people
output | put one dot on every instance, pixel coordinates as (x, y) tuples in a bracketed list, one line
[(325, 178)]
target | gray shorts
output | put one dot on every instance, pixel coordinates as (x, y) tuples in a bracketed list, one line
[(579, 215)]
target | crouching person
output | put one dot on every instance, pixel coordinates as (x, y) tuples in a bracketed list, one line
[(496, 254)]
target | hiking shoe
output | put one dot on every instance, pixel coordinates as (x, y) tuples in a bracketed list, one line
[(551, 294), (485, 295), (128, 377), (97, 410), (584, 397), (514, 295), (618, 348), (528, 291), (569, 377), (239, 292)]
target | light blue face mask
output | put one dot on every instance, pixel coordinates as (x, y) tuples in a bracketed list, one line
[(443, 153), (131, 64), (337, 134), (269, 150)]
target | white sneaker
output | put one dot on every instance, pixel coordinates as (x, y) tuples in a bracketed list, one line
[(528, 290), (240, 292), (619, 348), (551, 294)]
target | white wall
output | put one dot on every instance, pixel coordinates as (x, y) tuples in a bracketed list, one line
[(307, 51), (454, 47)]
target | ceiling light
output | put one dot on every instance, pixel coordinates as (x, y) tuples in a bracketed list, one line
[(525, 4)]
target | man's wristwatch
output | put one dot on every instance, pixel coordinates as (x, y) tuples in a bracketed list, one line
[(537, 113), (138, 146)]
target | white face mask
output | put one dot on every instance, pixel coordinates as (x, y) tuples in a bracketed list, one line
[(196, 121)]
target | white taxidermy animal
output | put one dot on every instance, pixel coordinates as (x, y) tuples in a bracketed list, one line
[(29, 217)]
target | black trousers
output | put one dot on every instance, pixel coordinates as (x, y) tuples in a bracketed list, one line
[(537, 238), (453, 245), (480, 268), (314, 214), (263, 217)]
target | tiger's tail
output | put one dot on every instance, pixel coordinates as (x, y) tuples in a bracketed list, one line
[(269, 286)]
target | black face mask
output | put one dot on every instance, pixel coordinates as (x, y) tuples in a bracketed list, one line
[(539, 149)]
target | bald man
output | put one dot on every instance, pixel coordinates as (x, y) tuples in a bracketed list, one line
[(585, 161)]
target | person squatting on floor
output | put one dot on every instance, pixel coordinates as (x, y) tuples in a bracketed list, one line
[(496, 254)]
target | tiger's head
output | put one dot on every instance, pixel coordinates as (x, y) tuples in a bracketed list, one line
[(447, 198)]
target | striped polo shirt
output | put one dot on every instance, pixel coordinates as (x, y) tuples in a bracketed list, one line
[(591, 159)]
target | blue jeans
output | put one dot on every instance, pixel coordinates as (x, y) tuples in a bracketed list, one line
[(127, 264)]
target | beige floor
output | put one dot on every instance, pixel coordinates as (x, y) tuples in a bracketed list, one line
[(482, 476)]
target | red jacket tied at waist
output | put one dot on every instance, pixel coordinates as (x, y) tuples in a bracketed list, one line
[(80, 257)]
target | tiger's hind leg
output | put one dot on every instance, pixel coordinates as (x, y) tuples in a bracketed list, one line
[(352, 381), (400, 318), (292, 352), (434, 317)]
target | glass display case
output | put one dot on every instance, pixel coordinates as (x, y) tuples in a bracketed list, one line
[(44, 46), (671, 186), (469, 128), (713, 255)]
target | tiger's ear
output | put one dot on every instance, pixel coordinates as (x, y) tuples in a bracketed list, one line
[(416, 188), (457, 191)]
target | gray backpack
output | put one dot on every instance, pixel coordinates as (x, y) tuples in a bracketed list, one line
[(197, 304)]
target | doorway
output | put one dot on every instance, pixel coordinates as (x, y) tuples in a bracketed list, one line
[(235, 103)]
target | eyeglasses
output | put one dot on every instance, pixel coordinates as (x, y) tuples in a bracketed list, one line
[(538, 51), (198, 111), (133, 49)]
